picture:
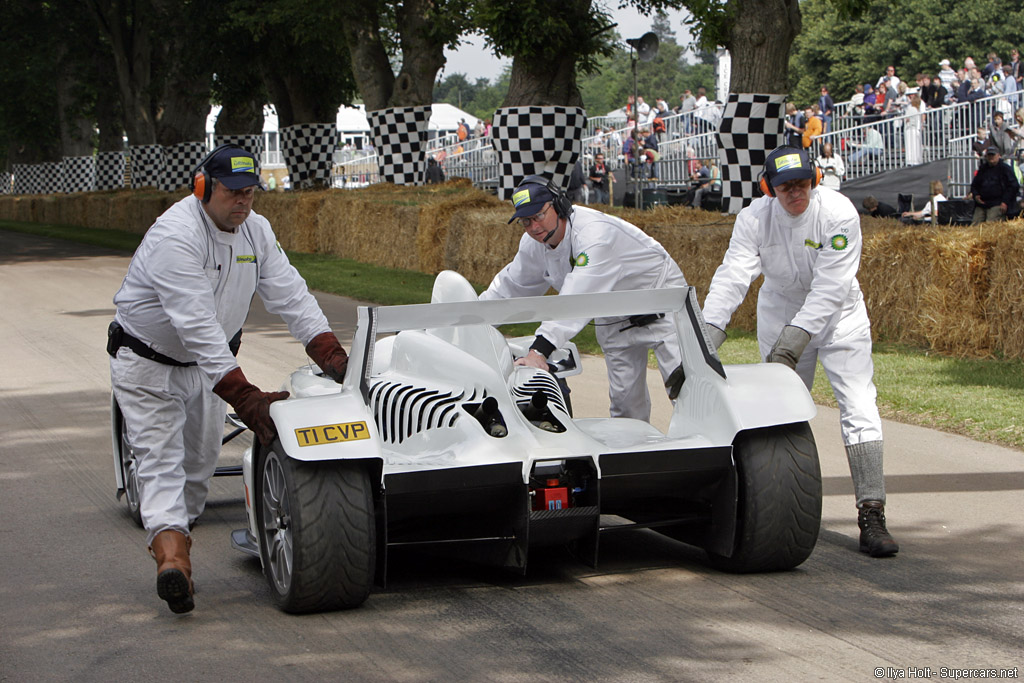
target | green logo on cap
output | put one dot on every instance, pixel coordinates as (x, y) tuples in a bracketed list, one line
[(787, 161), (521, 197), (242, 165)]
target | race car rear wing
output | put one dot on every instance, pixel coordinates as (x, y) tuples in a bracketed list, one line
[(376, 320)]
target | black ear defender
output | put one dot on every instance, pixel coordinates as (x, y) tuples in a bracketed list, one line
[(202, 184), (764, 179), (562, 204)]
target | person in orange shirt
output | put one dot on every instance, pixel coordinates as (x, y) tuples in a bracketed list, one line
[(813, 127)]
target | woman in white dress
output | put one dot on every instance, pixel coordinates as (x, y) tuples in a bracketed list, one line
[(912, 130)]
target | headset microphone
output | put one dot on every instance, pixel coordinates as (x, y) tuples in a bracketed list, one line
[(550, 235)]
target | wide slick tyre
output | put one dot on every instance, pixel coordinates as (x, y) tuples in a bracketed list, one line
[(779, 506), (316, 531)]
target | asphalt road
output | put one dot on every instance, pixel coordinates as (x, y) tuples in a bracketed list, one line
[(77, 598)]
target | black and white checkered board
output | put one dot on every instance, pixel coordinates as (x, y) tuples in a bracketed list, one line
[(52, 174), (38, 178), (400, 138), (180, 161), (147, 165), (109, 170), (5, 182), (26, 179), (537, 140), (250, 143), (751, 127), (308, 150), (79, 174)]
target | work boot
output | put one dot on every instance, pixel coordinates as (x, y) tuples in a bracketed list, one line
[(874, 537), (173, 570)]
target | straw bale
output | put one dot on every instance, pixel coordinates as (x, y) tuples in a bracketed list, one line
[(481, 242), (1004, 305), (436, 215), (895, 269)]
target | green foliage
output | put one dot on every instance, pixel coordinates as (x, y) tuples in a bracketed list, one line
[(604, 90), (541, 30), (29, 125), (479, 99), (839, 50), (666, 76)]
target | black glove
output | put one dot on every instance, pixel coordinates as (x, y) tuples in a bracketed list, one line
[(326, 351), (251, 404), (788, 347)]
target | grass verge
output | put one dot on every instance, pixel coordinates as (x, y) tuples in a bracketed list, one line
[(981, 399)]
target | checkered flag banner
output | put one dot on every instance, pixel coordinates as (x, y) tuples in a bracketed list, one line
[(309, 152), (6, 180), (180, 161), (37, 178), (52, 177), (79, 174), (251, 143), (400, 138), (537, 141), (109, 170), (751, 128), (26, 179), (146, 165)]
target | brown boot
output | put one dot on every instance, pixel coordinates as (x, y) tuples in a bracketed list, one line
[(875, 539), (173, 570)]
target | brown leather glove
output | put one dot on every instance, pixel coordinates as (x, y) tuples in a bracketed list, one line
[(251, 404), (326, 351)]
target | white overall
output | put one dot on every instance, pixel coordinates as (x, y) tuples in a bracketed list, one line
[(187, 292), (810, 265), (601, 253)]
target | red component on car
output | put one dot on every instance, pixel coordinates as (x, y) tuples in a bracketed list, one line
[(556, 498)]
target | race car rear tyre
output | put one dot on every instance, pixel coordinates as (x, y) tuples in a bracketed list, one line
[(317, 535), (128, 471), (779, 507)]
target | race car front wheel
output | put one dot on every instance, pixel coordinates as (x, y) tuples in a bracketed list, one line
[(779, 508), (317, 533)]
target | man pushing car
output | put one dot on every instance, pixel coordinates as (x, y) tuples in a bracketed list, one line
[(179, 310), (578, 250)]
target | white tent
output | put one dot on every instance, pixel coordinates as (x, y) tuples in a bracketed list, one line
[(352, 120)]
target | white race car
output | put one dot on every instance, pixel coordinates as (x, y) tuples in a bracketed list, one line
[(437, 438)]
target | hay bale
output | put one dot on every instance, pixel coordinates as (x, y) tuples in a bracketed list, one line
[(895, 270), (435, 219), (1004, 305)]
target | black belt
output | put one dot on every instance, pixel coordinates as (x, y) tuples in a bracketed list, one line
[(642, 320), (118, 337)]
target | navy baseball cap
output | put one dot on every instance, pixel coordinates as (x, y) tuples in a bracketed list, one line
[(788, 163), (529, 198), (233, 167)]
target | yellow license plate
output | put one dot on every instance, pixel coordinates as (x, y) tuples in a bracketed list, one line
[(325, 434)]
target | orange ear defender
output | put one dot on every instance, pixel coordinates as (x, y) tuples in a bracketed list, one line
[(202, 184), (199, 186)]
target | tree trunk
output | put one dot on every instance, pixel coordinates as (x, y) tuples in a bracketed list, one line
[(109, 119), (75, 129), (184, 103), (543, 82), (422, 56), (131, 46), (370, 64), (759, 42), (243, 117)]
